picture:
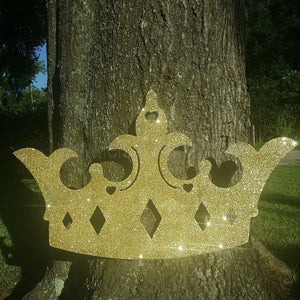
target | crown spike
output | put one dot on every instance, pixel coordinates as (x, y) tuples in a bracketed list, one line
[(151, 100)]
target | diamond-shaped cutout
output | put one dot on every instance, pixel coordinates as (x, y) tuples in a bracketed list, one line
[(202, 216), (150, 218), (67, 221), (231, 216), (97, 220)]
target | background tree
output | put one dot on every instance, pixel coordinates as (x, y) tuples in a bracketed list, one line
[(103, 58), (23, 122), (23, 29), (273, 67)]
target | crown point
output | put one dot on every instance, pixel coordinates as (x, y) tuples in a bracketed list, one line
[(220, 246), (180, 248), (151, 98), (151, 94)]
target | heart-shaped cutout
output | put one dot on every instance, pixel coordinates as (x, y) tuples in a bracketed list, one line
[(188, 187), (221, 175), (111, 189), (151, 116)]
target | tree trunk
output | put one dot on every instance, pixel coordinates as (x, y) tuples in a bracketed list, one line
[(103, 57)]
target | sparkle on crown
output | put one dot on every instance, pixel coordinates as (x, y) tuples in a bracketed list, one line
[(152, 214)]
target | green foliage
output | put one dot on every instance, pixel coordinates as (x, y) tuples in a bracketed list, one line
[(273, 36), (276, 105), (23, 29), (32, 100), (9, 275), (24, 121), (23, 236), (273, 65)]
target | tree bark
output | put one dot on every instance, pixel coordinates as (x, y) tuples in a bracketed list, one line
[(103, 57)]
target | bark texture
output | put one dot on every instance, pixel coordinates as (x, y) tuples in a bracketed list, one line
[(230, 274), (103, 57)]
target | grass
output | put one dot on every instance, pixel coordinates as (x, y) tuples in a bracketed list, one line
[(278, 222)]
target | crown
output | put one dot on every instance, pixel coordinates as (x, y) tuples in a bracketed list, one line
[(151, 214)]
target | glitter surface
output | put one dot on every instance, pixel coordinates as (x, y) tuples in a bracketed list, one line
[(188, 217)]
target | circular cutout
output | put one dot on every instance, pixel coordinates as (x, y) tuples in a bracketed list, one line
[(74, 173)]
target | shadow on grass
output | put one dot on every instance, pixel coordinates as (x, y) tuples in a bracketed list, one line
[(22, 211), (278, 211), (286, 208), (280, 199), (290, 255)]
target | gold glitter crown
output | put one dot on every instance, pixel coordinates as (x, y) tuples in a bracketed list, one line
[(152, 214)]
